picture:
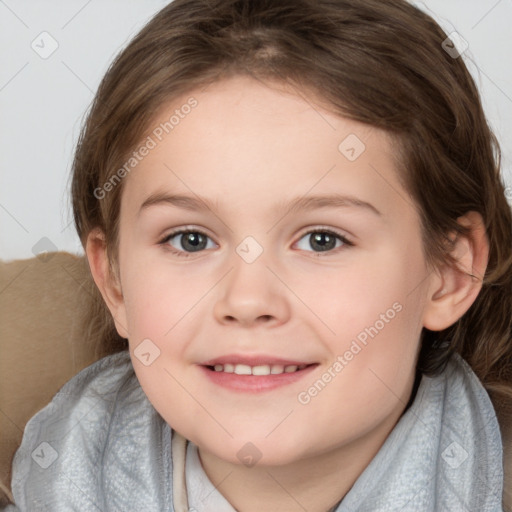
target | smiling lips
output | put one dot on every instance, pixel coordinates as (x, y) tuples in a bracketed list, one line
[(255, 373), (264, 369)]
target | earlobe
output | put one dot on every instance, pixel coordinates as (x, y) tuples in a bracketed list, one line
[(107, 283), (454, 290)]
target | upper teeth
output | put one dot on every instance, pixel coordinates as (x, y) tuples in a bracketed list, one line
[(264, 369)]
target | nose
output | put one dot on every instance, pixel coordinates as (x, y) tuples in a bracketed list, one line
[(252, 295)]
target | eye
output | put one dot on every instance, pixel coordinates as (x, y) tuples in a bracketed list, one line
[(186, 241), (322, 240)]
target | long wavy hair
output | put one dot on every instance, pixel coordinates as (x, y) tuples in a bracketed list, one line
[(380, 63)]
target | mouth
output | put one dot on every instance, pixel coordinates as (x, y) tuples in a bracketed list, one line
[(254, 374), (262, 369)]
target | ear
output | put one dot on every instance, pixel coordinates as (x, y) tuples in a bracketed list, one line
[(453, 290), (106, 279)]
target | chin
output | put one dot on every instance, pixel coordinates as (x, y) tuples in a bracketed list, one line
[(257, 450)]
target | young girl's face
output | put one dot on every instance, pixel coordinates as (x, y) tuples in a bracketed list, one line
[(219, 270)]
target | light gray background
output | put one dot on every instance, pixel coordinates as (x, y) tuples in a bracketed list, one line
[(43, 101)]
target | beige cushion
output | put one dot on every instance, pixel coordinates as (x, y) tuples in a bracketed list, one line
[(43, 341), (46, 337)]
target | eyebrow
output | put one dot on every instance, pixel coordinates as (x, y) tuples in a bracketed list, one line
[(299, 204)]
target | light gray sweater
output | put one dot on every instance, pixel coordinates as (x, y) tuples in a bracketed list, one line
[(99, 445)]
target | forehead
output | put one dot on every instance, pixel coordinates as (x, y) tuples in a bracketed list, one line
[(248, 143)]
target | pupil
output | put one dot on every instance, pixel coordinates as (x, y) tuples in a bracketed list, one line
[(193, 241), (323, 241)]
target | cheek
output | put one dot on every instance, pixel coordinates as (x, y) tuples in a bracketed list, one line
[(375, 313), (368, 379), (373, 293), (158, 297), (160, 313)]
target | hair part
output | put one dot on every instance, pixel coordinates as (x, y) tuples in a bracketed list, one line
[(379, 63)]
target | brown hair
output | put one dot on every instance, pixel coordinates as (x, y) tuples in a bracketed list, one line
[(380, 63)]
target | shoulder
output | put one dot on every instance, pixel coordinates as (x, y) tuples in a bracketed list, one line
[(96, 439), (462, 406), (109, 375), (461, 381), (91, 394), (470, 440), (95, 393)]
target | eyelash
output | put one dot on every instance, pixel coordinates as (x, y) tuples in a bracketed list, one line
[(184, 254)]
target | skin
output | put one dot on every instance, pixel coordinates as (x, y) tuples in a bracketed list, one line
[(249, 149)]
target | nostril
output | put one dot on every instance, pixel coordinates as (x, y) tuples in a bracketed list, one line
[(242, 319)]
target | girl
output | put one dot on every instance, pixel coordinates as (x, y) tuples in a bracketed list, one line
[(294, 214)]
